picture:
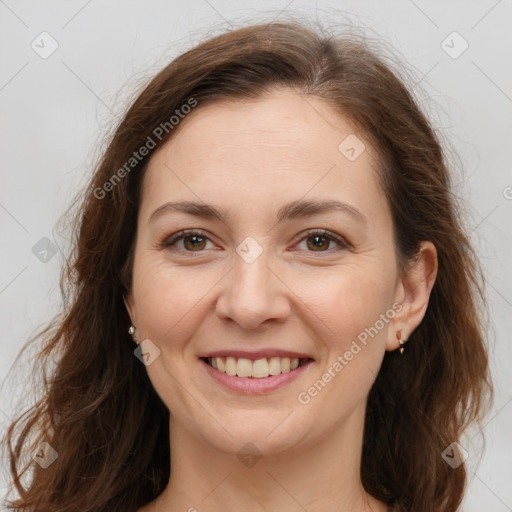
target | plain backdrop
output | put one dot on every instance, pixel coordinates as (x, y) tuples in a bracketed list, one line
[(69, 68)]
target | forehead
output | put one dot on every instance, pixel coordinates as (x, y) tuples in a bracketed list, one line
[(278, 147)]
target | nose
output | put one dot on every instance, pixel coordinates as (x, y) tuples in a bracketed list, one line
[(253, 293)]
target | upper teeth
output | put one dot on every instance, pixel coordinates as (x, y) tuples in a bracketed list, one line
[(258, 369)]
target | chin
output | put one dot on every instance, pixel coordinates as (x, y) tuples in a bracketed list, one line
[(256, 428)]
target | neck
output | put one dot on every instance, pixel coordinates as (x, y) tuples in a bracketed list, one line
[(322, 475)]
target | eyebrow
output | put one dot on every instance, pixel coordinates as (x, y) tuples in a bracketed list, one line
[(290, 211)]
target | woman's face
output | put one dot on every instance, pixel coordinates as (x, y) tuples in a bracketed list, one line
[(260, 283)]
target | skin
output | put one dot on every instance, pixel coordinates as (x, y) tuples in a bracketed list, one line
[(252, 157)]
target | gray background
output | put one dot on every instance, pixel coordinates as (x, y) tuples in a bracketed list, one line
[(56, 111)]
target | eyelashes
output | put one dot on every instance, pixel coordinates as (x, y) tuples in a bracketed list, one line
[(183, 235), (190, 234)]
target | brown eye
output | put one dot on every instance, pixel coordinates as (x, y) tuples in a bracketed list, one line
[(318, 241), (193, 241)]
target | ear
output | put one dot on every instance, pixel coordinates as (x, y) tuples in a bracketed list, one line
[(130, 306), (413, 293)]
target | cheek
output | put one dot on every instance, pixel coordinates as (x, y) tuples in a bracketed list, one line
[(348, 300), (168, 299), (353, 315)]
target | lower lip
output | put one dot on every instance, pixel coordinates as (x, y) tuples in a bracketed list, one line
[(253, 386)]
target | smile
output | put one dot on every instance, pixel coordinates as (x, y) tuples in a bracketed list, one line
[(256, 369), (254, 376)]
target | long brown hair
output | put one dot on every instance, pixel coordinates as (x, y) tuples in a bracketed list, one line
[(99, 410)]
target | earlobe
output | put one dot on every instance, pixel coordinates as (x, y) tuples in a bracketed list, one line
[(416, 286)]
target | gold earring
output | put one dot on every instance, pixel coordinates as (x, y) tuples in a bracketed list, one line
[(401, 341)]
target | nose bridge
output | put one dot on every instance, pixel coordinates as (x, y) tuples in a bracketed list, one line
[(251, 267), (253, 293)]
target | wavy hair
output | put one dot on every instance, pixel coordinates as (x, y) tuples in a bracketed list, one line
[(99, 410)]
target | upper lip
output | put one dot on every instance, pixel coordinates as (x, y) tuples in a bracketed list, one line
[(257, 354)]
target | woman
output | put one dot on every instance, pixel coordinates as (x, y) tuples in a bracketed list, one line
[(273, 304)]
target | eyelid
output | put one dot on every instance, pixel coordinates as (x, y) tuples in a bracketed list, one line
[(340, 240), (169, 240)]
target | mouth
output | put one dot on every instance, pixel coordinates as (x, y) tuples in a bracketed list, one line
[(261, 368)]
